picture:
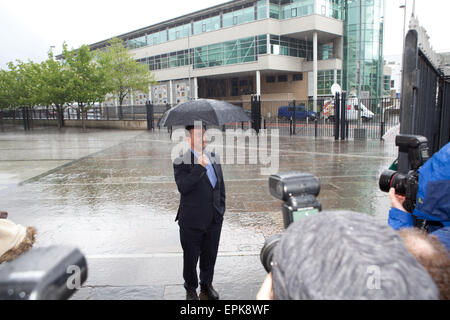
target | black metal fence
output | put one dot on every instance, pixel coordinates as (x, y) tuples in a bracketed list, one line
[(291, 118), (297, 118), (426, 97)]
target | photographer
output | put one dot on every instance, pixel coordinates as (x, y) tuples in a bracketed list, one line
[(432, 212), (344, 255)]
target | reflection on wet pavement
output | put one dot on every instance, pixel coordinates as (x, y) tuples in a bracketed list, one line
[(112, 194)]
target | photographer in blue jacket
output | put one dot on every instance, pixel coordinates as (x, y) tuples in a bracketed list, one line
[(432, 212)]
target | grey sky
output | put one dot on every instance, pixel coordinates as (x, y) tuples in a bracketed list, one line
[(28, 28)]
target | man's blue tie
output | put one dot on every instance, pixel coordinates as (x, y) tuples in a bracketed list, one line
[(211, 174), (209, 170)]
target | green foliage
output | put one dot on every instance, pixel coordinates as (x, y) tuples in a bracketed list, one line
[(124, 74), (88, 78), (56, 88), (82, 76)]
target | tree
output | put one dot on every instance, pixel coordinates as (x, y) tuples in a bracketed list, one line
[(22, 87), (124, 74), (56, 86), (89, 79), (5, 93)]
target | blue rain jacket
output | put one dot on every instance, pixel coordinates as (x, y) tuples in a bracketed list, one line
[(433, 197)]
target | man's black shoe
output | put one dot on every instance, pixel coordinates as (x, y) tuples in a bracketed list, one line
[(207, 292), (191, 294)]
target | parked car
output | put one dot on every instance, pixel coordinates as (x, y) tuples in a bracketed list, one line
[(299, 112), (351, 110)]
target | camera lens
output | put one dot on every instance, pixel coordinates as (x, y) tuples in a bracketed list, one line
[(386, 180), (268, 250)]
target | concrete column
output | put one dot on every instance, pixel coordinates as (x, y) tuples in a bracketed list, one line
[(171, 93), (268, 8), (258, 83), (315, 55), (335, 79), (195, 88)]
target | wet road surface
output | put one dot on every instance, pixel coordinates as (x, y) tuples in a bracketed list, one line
[(112, 194)]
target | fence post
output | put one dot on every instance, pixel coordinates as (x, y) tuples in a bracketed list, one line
[(343, 114), (256, 113), (337, 112), (382, 120), (150, 116), (315, 127)]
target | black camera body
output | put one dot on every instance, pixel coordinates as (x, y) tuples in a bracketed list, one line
[(413, 153), (298, 191)]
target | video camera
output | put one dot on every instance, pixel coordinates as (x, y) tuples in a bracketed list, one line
[(53, 273), (298, 191), (413, 153)]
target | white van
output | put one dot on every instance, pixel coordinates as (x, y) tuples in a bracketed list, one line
[(351, 113)]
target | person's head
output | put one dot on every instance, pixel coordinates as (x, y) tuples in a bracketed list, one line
[(346, 255), (196, 137), (432, 255)]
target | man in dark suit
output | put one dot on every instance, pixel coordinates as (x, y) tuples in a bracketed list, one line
[(200, 182)]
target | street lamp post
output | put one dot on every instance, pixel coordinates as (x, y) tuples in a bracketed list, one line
[(404, 36)]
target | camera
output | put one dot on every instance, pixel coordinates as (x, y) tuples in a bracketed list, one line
[(413, 153), (52, 273), (298, 191)]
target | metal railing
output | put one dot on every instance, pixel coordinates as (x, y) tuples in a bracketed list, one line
[(291, 118)]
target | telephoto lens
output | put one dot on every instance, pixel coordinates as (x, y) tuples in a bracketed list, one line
[(268, 250), (392, 179)]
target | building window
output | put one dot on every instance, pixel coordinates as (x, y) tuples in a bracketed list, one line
[(325, 79), (293, 12), (297, 77), (283, 78), (270, 79), (286, 46), (261, 9)]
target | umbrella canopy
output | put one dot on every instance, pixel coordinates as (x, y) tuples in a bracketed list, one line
[(209, 112)]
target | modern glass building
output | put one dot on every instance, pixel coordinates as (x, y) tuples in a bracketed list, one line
[(281, 50), (364, 31)]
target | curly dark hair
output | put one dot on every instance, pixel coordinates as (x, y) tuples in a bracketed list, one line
[(432, 255)]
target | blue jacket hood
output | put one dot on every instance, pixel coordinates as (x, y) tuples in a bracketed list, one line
[(433, 196)]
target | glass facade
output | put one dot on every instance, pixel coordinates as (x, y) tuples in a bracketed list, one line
[(137, 42), (230, 52), (261, 7), (325, 79), (287, 9), (326, 51), (219, 54), (238, 16), (157, 38), (180, 32), (371, 26), (387, 85), (285, 46), (207, 25), (279, 9)]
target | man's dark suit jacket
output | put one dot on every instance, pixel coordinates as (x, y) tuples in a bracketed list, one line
[(200, 204)]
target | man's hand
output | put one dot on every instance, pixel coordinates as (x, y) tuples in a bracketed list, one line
[(266, 290), (203, 160), (396, 200)]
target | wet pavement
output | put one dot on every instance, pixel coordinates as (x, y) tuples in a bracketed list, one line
[(112, 194)]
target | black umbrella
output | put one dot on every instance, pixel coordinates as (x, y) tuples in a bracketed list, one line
[(209, 112)]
